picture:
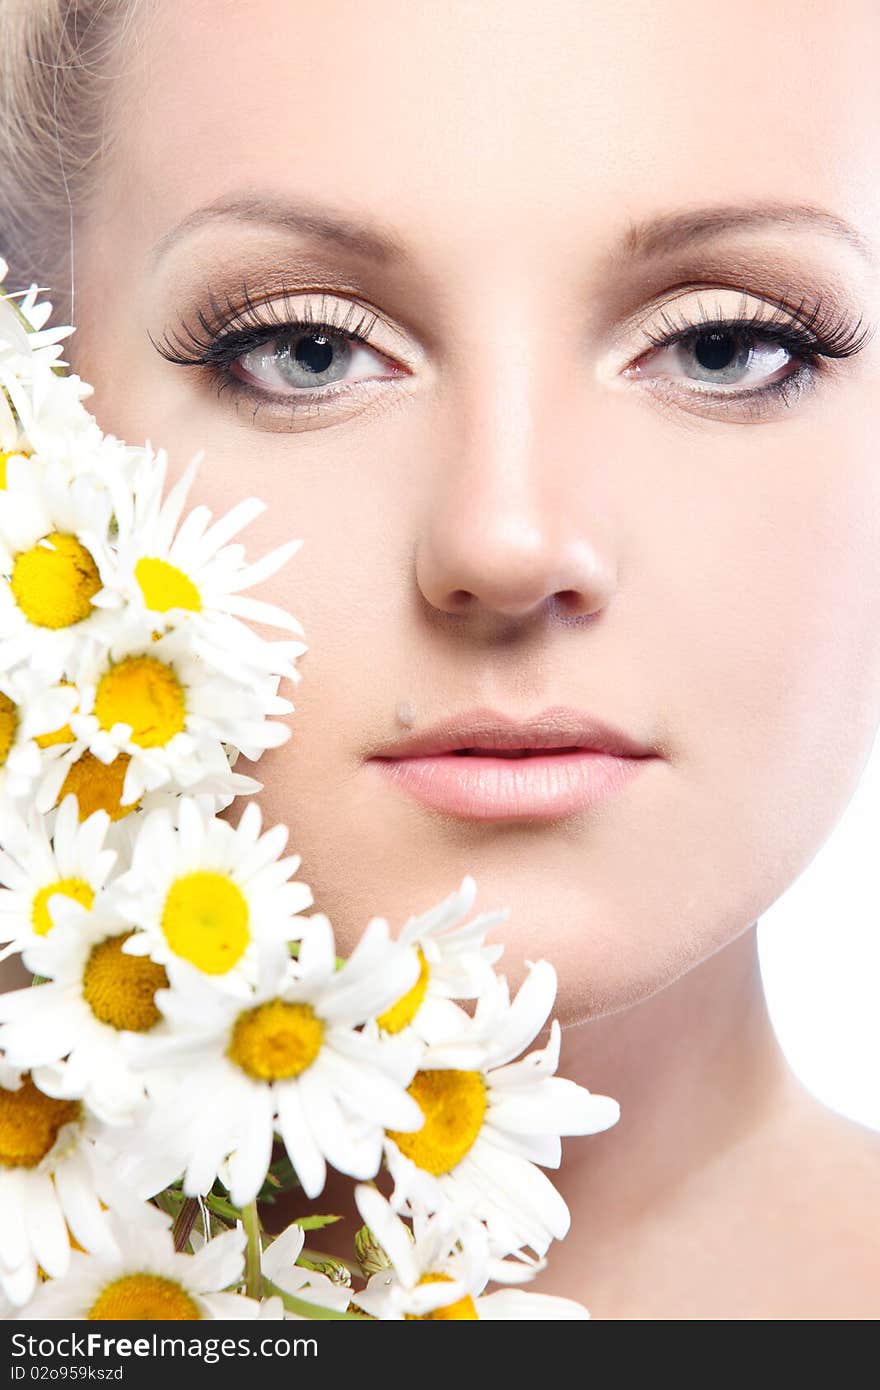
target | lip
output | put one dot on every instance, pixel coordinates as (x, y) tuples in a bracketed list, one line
[(573, 761)]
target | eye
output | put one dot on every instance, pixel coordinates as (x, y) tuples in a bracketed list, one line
[(727, 355), (304, 358), (294, 358), (758, 358)]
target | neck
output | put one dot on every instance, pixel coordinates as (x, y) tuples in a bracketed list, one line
[(697, 1070)]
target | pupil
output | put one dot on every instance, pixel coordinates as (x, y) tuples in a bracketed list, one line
[(714, 351), (314, 352)]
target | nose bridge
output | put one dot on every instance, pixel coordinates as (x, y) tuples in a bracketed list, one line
[(508, 520)]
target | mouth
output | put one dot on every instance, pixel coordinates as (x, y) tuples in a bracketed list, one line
[(486, 766), (512, 752)]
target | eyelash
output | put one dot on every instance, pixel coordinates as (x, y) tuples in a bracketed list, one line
[(217, 347), (811, 337)]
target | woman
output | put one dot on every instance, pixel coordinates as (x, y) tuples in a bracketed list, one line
[(555, 342)]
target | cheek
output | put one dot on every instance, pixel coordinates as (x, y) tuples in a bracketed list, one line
[(772, 656)]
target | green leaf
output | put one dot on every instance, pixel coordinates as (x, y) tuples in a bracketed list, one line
[(219, 1207), (314, 1223)]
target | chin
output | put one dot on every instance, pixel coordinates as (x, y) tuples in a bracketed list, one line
[(622, 902), (610, 952)]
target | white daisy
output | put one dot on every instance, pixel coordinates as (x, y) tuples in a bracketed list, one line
[(72, 770), (488, 1125), (54, 424), (210, 894), (440, 1275), (49, 527), (30, 710), (144, 1279), (67, 1032), (52, 1183), (454, 963), (291, 1060), (44, 857), (63, 430), (28, 353), (175, 574), (168, 711)]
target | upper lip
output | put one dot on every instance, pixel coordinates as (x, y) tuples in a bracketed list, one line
[(559, 726)]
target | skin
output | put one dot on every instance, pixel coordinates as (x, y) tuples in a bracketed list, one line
[(501, 516)]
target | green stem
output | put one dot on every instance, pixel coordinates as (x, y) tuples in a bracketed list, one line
[(221, 1208), (309, 1310), (251, 1221)]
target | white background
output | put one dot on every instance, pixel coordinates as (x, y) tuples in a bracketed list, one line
[(819, 948)]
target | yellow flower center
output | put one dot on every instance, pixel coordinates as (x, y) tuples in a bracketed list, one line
[(165, 586), (54, 582), (119, 989), (8, 725), (62, 735), (454, 1105), (144, 1298), (276, 1040), (30, 1122), (75, 888), (402, 1013), (145, 693), (98, 786), (205, 920), (463, 1308)]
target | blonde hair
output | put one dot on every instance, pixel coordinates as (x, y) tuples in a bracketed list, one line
[(55, 81)]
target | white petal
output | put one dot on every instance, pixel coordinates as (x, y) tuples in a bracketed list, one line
[(527, 1014), (553, 1105), (14, 1244), (516, 1305), (302, 1150), (283, 1252), (219, 1263), (249, 1164), (48, 1233), (390, 1232), (82, 1209)]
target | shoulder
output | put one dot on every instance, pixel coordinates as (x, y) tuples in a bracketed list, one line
[(840, 1213)]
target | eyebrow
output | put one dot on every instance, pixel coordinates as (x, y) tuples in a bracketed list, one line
[(673, 231), (643, 240), (320, 224)]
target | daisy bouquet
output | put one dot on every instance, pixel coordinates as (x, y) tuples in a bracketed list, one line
[(191, 1047)]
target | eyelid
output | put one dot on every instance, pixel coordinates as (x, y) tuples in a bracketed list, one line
[(261, 312), (713, 302), (703, 306)]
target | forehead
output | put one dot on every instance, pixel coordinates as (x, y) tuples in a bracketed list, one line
[(462, 122)]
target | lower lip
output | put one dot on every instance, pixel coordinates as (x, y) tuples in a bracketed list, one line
[(542, 786)]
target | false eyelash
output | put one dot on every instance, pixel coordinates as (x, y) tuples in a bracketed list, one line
[(219, 343), (811, 336)]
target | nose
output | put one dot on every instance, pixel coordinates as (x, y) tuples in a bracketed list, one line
[(514, 526)]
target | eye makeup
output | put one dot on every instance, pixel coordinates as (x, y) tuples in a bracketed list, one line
[(294, 335)]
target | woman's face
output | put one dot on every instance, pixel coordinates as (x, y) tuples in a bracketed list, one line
[(496, 509)]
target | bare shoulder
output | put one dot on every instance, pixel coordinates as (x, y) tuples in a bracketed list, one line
[(841, 1211)]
